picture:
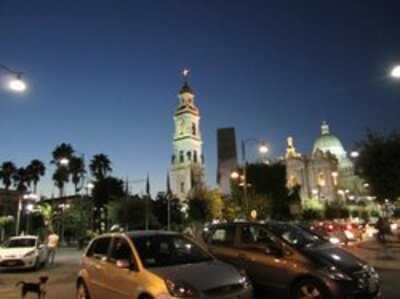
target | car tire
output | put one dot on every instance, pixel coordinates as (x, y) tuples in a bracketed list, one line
[(309, 288), (82, 291)]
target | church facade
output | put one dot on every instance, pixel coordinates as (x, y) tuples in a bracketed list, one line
[(187, 161), (327, 173)]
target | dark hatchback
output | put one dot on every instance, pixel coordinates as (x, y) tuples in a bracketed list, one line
[(293, 261)]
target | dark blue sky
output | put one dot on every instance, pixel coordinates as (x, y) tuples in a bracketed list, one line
[(104, 75)]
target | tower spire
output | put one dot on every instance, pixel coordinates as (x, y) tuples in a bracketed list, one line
[(325, 128)]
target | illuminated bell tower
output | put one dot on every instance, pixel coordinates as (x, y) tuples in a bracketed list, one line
[(187, 158)]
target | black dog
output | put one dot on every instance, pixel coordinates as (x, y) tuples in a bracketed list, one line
[(37, 288)]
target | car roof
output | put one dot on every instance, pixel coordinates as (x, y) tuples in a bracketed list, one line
[(23, 237), (141, 233)]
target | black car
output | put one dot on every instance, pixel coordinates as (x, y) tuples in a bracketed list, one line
[(295, 262)]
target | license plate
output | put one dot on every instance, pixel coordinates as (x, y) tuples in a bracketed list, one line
[(11, 263)]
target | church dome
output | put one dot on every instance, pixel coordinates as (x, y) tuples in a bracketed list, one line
[(328, 142)]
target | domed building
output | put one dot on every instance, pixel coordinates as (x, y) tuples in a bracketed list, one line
[(323, 173)]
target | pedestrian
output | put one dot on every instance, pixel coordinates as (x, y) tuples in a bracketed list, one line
[(381, 227), (52, 245)]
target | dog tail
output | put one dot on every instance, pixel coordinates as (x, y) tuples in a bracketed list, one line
[(19, 283)]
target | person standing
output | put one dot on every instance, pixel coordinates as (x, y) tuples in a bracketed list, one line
[(52, 245)]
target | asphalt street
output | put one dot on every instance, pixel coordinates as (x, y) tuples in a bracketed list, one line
[(62, 277)]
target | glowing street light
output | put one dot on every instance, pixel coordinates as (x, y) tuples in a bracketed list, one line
[(395, 73), (64, 161), (16, 84), (354, 154), (263, 149), (235, 175)]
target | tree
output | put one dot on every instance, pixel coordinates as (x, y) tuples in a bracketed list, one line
[(105, 191), (379, 164), (21, 179), (205, 205), (270, 181), (77, 171), (160, 210), (7, 172), (48, 214), (77, 219), (100, 166), (60, 178), (36, 169), (62, 151)]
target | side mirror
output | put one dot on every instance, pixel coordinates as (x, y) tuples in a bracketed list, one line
[(123, 264)]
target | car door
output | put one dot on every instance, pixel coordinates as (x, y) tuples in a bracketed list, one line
[(261, 257), (95, 263), (121, 283), (222, 243)]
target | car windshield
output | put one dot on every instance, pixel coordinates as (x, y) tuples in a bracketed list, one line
[(296, 235), (168, 250), (14, 243)]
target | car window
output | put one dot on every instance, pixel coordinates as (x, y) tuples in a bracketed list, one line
[(99, 248), (223, 236), (168, 250), (255, 235), (16, 243), (121, 250)]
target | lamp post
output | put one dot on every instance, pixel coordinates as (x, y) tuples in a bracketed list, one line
[(263, 150), (22, 198), (395, 73), (16, 84)]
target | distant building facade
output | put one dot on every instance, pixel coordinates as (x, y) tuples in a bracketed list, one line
[(227, 158), (325, 173), (187, 161)]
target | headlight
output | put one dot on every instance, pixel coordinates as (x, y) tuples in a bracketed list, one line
[(244, 279), (335, 274), (181, 289), (30, 253), (372, 272)]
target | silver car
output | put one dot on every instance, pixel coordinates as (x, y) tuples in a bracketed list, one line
[(156, 265)]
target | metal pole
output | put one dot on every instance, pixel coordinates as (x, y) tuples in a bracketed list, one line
[(18, 217), (147, 213), (169, 212), (246, 200)]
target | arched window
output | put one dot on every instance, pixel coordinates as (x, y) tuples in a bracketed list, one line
[(182, 187), (194, 130), (195, 156), (189, 155), (173, 158), (181, 157)]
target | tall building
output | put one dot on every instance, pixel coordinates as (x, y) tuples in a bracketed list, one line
[(227, 158), (187, 161)]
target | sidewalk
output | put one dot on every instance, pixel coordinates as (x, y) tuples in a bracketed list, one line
[(381, 257)]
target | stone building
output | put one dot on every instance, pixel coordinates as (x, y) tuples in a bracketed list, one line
[(324, 174)]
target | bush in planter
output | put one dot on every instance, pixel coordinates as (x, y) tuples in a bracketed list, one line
[(312, 214)]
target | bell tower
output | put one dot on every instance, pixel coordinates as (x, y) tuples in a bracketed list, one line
[(187, 160)]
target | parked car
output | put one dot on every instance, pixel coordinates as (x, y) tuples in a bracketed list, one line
[(23, 252), (153, 264), (292, 261)]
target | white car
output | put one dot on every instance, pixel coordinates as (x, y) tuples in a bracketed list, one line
[(23, 252)]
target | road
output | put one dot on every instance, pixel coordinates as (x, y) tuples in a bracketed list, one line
[(62, 279)]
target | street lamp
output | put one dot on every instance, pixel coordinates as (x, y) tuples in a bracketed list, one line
[(262, 149), (395, 73), (64, 161), (354, 154), (16, 83)]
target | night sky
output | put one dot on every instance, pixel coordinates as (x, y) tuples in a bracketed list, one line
[(104, 75)]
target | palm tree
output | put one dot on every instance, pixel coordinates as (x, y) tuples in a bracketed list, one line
[(36, 170), (77, 171), (62, 151), (7, 171), (21, 179), (60, 177), (100, 166)]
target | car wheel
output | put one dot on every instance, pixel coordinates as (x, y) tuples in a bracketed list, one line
[(309, 289), (82, 291)]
